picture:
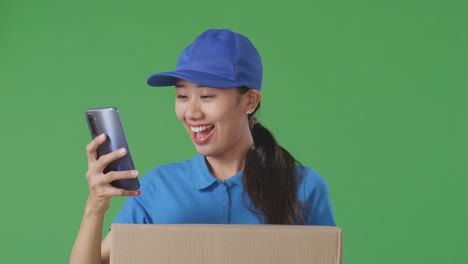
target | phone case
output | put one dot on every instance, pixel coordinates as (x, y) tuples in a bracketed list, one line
[(107, 120)]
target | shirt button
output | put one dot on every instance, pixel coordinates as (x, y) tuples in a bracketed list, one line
[(224, 203), (228, 184)]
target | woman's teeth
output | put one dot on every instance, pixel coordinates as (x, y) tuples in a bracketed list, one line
[(200, 128)]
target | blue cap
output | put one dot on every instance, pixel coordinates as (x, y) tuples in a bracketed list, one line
[(218, 58)]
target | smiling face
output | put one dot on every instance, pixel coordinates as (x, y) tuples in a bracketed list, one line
[(215, 119)]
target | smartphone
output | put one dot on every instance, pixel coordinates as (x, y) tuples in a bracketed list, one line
[(107, 120)]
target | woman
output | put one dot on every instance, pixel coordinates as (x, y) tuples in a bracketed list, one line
[(241, 175)]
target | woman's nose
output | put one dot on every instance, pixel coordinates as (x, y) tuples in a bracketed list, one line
[(193, 111)]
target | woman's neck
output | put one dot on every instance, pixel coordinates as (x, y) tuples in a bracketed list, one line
[(230, 163)]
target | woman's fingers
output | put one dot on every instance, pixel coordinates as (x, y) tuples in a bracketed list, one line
[(99, 180), (121, 175), (99, 185), (92, 147), (97, 165), (104, 160), (108, 191), (121, 192)]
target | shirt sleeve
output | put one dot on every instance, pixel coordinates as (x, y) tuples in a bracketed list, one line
[(318, 208), (135, 209)]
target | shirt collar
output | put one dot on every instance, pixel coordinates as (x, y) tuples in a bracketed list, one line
[(201, 176)]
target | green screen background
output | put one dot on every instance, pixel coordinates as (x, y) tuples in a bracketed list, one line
[(371, 94)]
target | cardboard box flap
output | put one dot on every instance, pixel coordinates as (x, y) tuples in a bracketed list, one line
[(207, 244)]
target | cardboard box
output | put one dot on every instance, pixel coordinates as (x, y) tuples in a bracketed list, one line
[(225, 244)]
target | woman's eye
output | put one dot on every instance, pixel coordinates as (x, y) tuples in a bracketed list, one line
[(206, 96), (181, 97)]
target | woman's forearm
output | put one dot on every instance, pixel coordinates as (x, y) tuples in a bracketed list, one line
[(87, 247)]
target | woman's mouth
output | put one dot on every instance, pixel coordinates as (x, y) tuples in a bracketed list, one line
[(200, 134)]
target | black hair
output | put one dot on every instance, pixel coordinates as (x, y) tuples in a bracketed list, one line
[(269, 177)]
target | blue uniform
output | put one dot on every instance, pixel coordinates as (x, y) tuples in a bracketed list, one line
[(187, 193)]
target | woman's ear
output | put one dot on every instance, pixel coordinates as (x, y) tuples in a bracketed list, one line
[(253, 98)]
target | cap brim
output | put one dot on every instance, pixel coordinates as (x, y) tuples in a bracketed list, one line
[(200, 78)]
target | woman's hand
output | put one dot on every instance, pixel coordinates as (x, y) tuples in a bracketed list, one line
[(100, 189)]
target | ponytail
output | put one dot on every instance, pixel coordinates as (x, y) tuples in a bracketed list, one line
[(270, 177)]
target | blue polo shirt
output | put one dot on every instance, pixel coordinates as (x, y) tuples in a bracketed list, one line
[(187, 193)]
